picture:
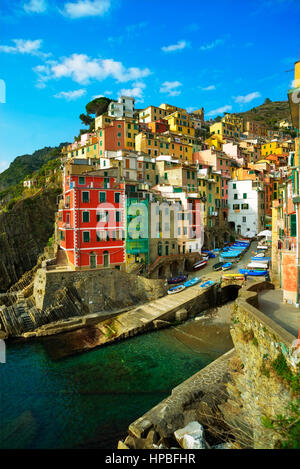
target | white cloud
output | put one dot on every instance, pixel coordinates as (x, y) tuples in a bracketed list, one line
[(220, 110), (191, 109), (70, 95), (213, 44), (209, 88), (82, 69), (175, 47), (171, 88), (86, 8), (25, 46), (247, 98), (136, 91), (35, 6)]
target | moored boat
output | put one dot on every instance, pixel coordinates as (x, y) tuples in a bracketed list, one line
[(234, 276), (218, 266), (227, 266), (193, 281), (176, 289), (179, 279), (209, 283), (199, 265), (253, 272)]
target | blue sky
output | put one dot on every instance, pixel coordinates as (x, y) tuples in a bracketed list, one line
[(56, 56)]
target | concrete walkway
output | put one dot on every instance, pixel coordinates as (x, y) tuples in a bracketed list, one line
[(287, 316)]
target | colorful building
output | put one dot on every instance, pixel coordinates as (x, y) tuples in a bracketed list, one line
[(91, 219)]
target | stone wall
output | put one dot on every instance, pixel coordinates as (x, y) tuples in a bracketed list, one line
[(196, 399), (255, 389), (98, 290)]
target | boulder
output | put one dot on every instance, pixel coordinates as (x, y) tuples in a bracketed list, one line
[(191, 436)]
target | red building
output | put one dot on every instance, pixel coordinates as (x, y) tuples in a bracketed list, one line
[(91, 219)]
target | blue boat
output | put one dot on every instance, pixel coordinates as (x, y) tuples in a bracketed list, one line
[(209, 283), (209, 253), (230, 255), (253, 273), (261, 259), (176, 289), (227, 266), (193, 281), (179, 279)]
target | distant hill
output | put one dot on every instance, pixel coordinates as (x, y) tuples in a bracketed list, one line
[(25, 165), (269, 113)]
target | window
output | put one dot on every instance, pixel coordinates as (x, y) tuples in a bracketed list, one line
[(117, 197), (234, 186), (118, 216), (102, 196), (244, 196), (86, 237), (244, 219), (235, 196), (81, 180), (85, 217), (245, 206), (62, 235), (236, 206), (85, 197)]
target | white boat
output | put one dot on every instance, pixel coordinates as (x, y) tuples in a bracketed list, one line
[(176, 289), (262, 247), (260, 260), (258, 265), (261, 254)]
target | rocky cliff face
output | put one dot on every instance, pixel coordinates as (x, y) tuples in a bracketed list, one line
[(24, 232)]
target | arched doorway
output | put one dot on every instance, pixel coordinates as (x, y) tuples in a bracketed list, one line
[(93, 260), (161, 271), (159, 249), (105, 259), (167, 248)]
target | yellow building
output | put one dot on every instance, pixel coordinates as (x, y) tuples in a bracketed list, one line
[(230, 126), (274, 148), (160, 144), (180, 123), (215, 141), (151, 114)]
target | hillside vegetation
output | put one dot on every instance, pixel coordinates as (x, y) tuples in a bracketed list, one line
[(269, 113), (23, 166)]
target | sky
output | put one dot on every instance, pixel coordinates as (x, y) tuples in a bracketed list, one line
[(57, 55)]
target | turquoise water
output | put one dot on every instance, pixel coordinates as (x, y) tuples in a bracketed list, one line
[(90, 399)]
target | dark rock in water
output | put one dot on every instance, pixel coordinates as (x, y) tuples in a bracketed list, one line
[(69, 343), (19, 433)]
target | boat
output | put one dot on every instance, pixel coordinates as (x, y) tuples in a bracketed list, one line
[(227, 266), (258, 266), (216, 250), (261, 259), (179, 279), (205, 258), (218, 266), (259, 254), (176, 289), (199, 265), (234, 276), (208, 254), (193, 281), (262, 247), (209, 283), (253, 272)]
